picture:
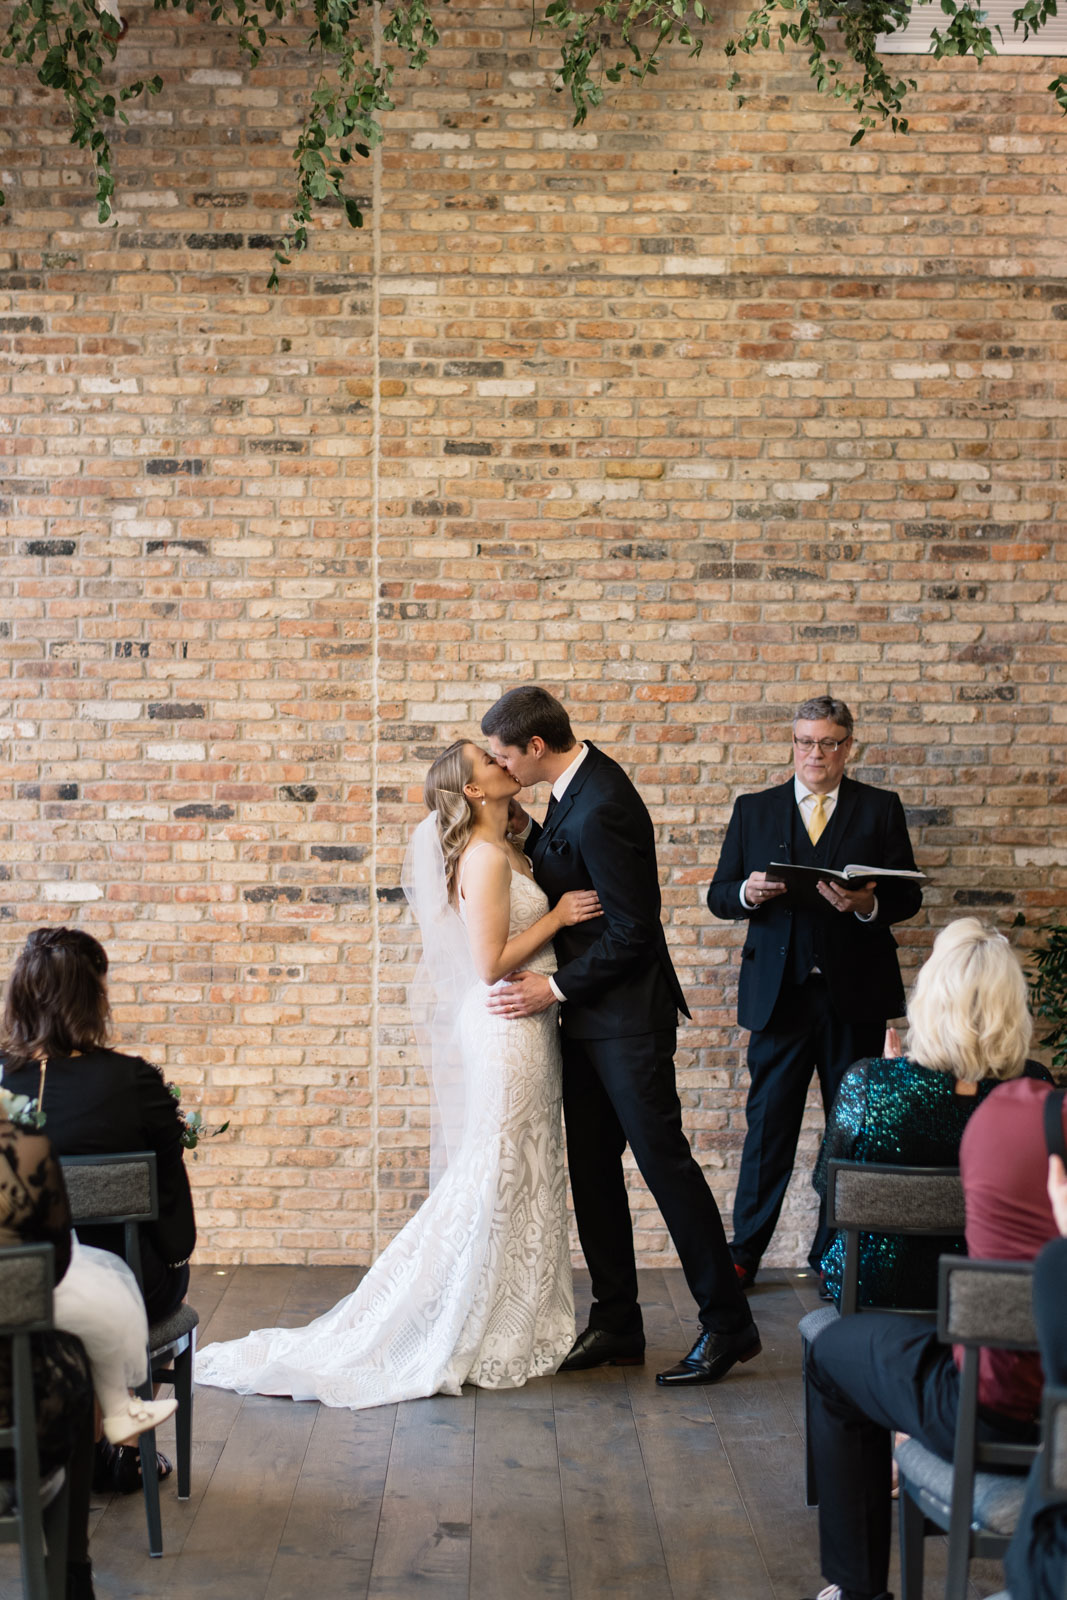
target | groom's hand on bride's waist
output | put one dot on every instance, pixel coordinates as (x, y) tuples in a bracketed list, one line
[(523, 994)]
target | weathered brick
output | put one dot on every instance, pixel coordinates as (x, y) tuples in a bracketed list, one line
[(687, 414)]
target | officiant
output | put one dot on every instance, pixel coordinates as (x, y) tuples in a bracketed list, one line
[(819, 978)]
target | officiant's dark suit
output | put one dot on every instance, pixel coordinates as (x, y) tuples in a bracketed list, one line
[(817, 985), (619, 1026)]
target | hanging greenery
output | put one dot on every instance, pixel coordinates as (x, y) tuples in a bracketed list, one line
[(71, 44), (610, 40)]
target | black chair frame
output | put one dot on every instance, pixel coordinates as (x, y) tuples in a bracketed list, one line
[(851, 1213), (920, 1512), (170, 1357), (35, 1524)]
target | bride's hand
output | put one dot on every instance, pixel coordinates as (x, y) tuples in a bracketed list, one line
[(577, 905)]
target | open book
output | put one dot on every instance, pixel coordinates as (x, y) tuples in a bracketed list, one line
[(802, 882), (843, 875)]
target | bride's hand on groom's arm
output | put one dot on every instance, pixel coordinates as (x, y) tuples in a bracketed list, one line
[(577, 905), (522, 995)]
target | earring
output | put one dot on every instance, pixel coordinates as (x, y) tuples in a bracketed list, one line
[(483, 802)]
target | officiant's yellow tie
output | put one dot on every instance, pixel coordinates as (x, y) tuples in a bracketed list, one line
[(818, 819)]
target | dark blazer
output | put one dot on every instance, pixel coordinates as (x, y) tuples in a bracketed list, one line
[(104, 1103), (858, 959), (614, 970)]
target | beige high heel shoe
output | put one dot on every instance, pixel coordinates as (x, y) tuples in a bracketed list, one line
[(122, 1427)]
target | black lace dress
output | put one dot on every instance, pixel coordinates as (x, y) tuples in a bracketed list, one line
[(34, 1210)]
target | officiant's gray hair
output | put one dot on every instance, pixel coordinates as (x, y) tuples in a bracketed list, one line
[(968, 1013), (824, 708)]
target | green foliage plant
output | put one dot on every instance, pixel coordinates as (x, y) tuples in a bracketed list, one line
[(72, 44), (603, 42), (1048, 992)]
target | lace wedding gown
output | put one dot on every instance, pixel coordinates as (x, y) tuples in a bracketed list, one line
[(477, 1286)]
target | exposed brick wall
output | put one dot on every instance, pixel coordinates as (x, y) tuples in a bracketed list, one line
[(687, 413)]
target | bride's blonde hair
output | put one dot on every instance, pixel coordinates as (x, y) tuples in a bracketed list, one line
[(443, 794)]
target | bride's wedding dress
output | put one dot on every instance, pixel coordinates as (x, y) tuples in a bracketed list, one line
[(477, 1286)]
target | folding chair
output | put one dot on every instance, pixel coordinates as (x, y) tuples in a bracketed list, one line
[(874, 1197), (32, 1514), (981, 1304), (122, 1189)]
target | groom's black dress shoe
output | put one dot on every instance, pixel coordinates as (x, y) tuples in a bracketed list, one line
[(597, 1347), (712, 1356)]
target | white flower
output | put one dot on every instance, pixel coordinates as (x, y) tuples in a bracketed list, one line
[(20, 1109)]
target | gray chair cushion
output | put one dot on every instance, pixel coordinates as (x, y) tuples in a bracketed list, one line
[(815, 1321), (884, 1200), (25, 1289), (1056, 1447), (998, 1496), (990, 1307), (108, 1189), (180, 1322)]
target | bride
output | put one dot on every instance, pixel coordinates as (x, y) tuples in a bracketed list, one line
[(477, 1287)]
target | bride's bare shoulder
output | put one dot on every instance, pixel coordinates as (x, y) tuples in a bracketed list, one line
[(483, 861)]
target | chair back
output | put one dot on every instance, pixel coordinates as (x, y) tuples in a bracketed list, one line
[(26, 1280), (114, 1190), (874, 1197), (1054, 1433), (26, 1283)]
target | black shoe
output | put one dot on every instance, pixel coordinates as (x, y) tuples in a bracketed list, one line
[(117, 1468), (597, 1347), (80, 1581), (712, 1356)]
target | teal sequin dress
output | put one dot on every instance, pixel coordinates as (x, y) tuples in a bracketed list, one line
[(907, 1115)]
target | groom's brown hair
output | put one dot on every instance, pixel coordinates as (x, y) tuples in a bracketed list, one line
[(525, 713)]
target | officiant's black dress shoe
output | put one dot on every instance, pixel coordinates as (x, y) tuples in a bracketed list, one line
[(597, 1347), (712, 1357)]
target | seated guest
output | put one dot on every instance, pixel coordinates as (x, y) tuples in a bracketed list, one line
[(34, 1210), (96, 1101), (969, 1029), (871, 1375), (1036, 1562)]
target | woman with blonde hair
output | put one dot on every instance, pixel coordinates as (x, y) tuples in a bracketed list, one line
[(477, 1287), (969, 1029)]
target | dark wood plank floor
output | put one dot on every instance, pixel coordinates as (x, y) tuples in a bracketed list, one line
[(572, 1488)]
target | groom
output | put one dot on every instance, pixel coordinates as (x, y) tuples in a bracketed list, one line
[(619, 1002)]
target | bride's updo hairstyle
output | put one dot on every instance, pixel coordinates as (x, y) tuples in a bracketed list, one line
[(443, 794), (56, 996)]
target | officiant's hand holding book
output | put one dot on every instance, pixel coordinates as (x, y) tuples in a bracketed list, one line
[(802, 883)]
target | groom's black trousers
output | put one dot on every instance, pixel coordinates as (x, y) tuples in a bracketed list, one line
[(618, 1092)]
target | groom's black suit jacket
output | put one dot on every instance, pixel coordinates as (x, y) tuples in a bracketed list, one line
[(857, 959), (614, 970)]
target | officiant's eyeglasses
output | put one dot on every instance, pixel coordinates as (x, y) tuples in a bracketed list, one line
[(827, 746)]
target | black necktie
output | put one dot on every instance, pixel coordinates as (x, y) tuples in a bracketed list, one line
[(551, 807)]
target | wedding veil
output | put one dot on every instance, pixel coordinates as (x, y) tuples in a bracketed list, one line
[(444, 976)]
